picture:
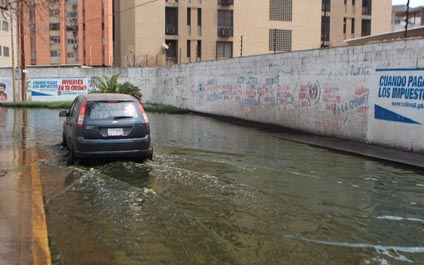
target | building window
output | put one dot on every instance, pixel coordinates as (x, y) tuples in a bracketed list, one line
[(353, 26), (54, 26), (366, 27), (280, 40), (326, 5), (55, 53), (54, 13), (188, 16), (0, 50), (199, 17), (188, 48), (366, 7), (280, 10), (71, 54), (5, 51), (224, 49), (225, 23), (54, 40), (73, 14), (171, 21), (172, 52), (325, 28), (344, 25), (353, 2), (199, 49), (5, 25), (32, 43)]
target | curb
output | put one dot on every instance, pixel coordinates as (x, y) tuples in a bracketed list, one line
[(40, 244)]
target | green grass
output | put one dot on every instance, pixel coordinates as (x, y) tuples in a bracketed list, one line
[(33, 104), (164, 109), (160, 108)]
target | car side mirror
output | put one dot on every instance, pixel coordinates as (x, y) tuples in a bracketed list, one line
[(63, 113)]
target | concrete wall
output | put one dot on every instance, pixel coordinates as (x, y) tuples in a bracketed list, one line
[(372, 93)]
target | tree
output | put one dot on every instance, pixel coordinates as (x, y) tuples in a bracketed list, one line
[(111, 85)]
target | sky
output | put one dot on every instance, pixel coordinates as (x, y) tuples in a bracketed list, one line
[(412, 3)]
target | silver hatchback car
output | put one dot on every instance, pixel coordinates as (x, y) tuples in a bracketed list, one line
[(106, 125)]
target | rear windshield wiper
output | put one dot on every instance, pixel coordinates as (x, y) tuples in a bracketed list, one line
[(122, 117)]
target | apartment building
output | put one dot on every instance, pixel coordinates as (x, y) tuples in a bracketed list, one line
[(68, 32), (349, 19), (163, 32), (6, 27)]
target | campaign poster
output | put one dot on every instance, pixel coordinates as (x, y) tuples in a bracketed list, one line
[(399, 96), (6, 90), (58, 89), (396, 111)]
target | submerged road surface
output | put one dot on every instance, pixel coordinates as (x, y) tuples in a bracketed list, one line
[(218, 193)]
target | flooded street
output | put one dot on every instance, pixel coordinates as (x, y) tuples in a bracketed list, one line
[(218, 193)]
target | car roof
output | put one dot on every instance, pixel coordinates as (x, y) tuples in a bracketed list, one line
[(108, 96)]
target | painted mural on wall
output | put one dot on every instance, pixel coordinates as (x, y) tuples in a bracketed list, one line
[(59, 88), (400, 96), (6, 90)]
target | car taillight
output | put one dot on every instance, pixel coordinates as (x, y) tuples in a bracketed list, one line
[(146, 120), (81, 114)]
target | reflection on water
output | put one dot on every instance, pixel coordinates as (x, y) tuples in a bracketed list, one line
[(217, 193)]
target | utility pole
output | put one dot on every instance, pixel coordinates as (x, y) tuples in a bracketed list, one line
[(241, 46), (407, 19), (275, 40), (13, 57), (22, 50)]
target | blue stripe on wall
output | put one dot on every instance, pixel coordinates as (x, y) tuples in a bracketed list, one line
[(381, 113)]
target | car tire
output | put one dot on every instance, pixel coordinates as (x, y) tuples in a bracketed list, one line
[(64, 142), (73, 159)]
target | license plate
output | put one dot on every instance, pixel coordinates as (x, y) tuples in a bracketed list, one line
[(115, 132)]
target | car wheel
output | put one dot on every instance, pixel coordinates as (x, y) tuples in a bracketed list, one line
[(64, 142), (73, 159)]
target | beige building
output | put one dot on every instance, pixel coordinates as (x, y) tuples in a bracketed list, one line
[(154, 33), (349, 19), (6, 27)]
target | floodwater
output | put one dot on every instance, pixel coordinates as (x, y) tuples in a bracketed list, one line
[(218, 193)]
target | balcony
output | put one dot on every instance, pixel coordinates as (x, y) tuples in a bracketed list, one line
[(366, 10), (71, 28), (225, 31), (171, 30), (225, 2)]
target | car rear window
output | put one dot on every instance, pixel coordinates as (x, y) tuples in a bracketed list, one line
[(111, 110)]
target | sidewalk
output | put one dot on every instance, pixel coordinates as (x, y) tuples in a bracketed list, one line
[(377, 152), (23, 231)]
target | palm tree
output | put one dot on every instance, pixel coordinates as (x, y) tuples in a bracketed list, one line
[(111, 85)]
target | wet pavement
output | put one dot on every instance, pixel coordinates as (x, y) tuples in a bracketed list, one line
[(23, 233), (218, 193)]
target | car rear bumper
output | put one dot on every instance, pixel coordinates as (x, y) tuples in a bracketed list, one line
[(135, 147)]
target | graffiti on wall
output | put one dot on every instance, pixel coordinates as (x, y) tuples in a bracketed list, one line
[(351, 70), (270, 91)]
